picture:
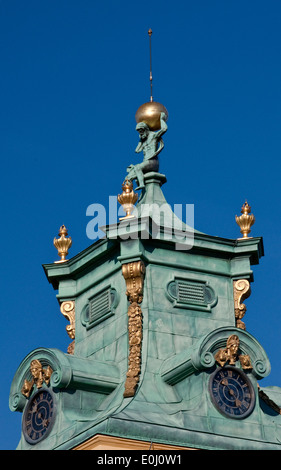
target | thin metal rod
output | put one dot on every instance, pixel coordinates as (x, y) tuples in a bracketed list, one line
[(150, 53)]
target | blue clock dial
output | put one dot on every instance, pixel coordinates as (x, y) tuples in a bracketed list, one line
[(38, 416), (232, 392)]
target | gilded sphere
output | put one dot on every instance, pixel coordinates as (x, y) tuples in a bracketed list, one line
[(149, 113)]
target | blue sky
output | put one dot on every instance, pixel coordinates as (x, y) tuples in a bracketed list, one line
[(73, 74)]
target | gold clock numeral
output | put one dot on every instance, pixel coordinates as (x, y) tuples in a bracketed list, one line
[(45, 423), (34, 408)]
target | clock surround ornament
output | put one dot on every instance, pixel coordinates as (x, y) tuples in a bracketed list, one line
[(230, 352), (39, 376)]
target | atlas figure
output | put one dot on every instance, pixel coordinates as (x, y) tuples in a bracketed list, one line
[(151, 145)]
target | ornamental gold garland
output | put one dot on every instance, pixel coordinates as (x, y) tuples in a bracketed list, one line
[(133, 274)]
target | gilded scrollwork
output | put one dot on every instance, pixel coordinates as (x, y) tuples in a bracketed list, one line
[(68, 310), (39, 375), (241, 291), (133, 274)]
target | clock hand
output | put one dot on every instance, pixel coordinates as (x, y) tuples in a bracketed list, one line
[(225, 383)]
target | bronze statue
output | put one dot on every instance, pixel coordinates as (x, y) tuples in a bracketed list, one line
[(151, 145)]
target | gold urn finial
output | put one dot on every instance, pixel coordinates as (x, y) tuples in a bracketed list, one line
[(246, 220), (127, 199), (62, 244)]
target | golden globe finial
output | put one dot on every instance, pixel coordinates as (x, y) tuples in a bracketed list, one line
[(149, 113)]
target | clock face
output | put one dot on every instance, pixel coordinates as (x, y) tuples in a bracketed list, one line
[(232, 392), (39, 416)]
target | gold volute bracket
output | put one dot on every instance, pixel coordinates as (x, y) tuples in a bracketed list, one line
[(241, 291), (245, 221), (62, 244), (67, 308)]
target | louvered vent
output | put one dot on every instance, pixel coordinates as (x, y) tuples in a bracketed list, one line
[(99, 306), (188, 292), (194, 295)]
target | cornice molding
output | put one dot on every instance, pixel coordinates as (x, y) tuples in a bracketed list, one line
[(104, 442)]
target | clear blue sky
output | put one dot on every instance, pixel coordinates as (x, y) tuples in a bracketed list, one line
[(73, 74)]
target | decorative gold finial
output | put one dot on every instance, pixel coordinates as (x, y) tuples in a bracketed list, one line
[(246, 220), (62, 244), (150, 112), (127, 199)]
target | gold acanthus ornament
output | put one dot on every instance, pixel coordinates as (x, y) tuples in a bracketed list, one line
[(246, 220), (62, 244), (127, 199)]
